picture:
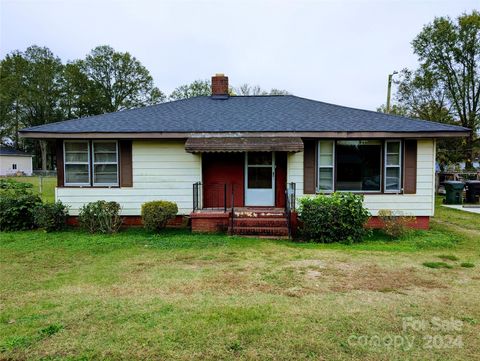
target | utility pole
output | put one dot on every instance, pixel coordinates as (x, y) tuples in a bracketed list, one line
[(389, 90)]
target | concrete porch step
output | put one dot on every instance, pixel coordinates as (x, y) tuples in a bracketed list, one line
[(246, 214), (260, 222), (261, 236), (260, 231)]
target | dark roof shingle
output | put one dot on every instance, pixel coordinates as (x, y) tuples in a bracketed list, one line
[(12, 151), (285, 113)]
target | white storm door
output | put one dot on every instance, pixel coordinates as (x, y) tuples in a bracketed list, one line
[(260, 179)]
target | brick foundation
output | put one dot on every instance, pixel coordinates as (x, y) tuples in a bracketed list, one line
[(209, 222), (420, 222), (136, 221), (214, 222)]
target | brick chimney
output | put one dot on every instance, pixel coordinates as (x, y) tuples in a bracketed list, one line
[(219, 85)]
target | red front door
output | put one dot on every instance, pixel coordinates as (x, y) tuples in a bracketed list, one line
[(219, 169)]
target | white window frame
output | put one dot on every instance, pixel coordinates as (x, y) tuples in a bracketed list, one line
[(399, 166), (332, 167), (14, 166), (83, 163), (97, 163)]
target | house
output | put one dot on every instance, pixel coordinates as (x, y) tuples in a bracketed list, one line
[(254, 154), (13, 161)]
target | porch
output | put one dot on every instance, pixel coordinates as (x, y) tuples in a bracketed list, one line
[(244, 189), (223, 214)]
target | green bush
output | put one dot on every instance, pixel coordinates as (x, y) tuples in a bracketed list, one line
[(51, 216), (10, 187), (156, 214), (339, 217), (17, 210), (100, 217), (13, 184)]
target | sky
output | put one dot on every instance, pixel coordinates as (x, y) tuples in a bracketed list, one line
[(334, 51)]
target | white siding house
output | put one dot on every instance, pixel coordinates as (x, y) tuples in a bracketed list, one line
[(13, 161), (243, 152), (162, 170), (422, 203)]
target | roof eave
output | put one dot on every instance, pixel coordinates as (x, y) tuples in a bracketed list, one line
[(182, 135)]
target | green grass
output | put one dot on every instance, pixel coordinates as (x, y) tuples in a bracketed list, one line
[(48, 186), (437, 265), (467, 265), (448, 257), (176, 295)]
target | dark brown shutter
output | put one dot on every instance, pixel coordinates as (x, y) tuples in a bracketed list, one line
[(309, 150), (60, 163), (126, 173), (410, 167)]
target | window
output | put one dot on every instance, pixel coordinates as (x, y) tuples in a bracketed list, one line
[(259, 175), (100, 169), (105, 163), (393, 151), (14, 166), (358, 165), (77, 165), (326, 160)]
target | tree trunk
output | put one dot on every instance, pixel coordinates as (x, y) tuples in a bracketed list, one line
[(43, 151)]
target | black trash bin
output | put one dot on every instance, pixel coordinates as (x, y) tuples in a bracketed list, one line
[(453, 192), (473, 191)]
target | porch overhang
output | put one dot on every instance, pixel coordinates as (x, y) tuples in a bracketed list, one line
[(240, 144)]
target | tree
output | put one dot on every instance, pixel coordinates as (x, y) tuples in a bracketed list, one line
[(421, 96), (80, 96), (449, 53), (12, 92), (121, 80), (195, 89), (247, 89), (42, 90)]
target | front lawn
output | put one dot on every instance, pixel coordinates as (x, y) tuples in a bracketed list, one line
[(136, 295)]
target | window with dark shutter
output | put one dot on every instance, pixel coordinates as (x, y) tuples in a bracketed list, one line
[(111, 162)]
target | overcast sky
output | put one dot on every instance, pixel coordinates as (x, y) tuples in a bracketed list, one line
[(335, 51)]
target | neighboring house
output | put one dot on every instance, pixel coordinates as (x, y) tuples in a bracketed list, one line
[(209, 153), (13, 161)]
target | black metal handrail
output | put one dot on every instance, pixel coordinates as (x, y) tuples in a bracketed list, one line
[(210, 196), (290, 196), (232, 215), (197, 193)]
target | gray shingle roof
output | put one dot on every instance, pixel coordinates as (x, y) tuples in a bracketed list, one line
[(244, 114), (12, 151)]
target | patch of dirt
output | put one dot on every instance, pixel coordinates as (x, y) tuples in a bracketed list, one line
[(374, 278), (308, 263)]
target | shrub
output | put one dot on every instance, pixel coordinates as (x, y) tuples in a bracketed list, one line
[(100, 216), (10, 187), (17, 210), (395, 224), (155, 215), (339, 217), (13, 184), (51, 216)]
